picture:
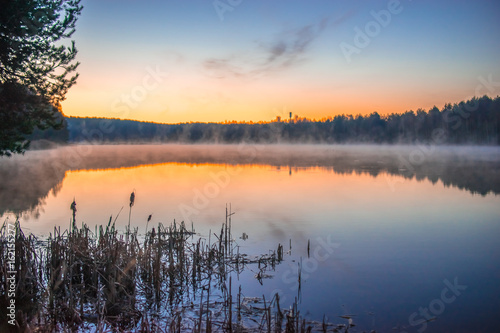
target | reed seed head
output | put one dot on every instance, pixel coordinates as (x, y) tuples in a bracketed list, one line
[(132, 199)]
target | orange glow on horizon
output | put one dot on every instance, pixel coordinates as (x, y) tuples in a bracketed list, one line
[(313, 105), (209, 100)]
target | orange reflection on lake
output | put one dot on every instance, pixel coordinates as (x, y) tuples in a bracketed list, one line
[(399, 230), (266, 198)]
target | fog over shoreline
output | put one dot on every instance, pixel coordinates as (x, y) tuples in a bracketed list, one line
[(28, 179), (89, 157)]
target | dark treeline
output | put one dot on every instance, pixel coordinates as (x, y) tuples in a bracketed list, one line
[(476, 121), (52, 134)]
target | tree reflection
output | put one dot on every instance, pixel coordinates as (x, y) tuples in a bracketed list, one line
[(26, 181)]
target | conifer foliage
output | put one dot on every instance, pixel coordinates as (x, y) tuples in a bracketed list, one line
[(37, 67)]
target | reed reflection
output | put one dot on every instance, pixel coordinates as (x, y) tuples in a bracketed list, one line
[(28, 180)]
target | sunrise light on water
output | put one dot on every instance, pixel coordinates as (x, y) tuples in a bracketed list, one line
[(249, 166)]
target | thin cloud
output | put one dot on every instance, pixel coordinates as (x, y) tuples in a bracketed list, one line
[(288, 50), (222, 68)]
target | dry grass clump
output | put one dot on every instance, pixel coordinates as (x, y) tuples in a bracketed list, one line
[(169, 280)]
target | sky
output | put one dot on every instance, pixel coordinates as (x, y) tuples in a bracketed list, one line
[(173, 61)]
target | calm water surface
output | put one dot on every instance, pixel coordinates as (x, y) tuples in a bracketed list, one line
[(398, 235)]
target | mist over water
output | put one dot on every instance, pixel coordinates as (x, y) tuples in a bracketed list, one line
[(403, 219), (27, 180)]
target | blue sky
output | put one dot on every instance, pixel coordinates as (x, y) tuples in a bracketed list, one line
[(266, 58)]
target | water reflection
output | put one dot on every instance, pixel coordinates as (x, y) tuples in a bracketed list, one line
[(403, 221), (26, 181)]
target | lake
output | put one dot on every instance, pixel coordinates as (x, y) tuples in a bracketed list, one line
[(402, 238)]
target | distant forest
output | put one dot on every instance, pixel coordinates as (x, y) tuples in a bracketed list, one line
[(476, 121)]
